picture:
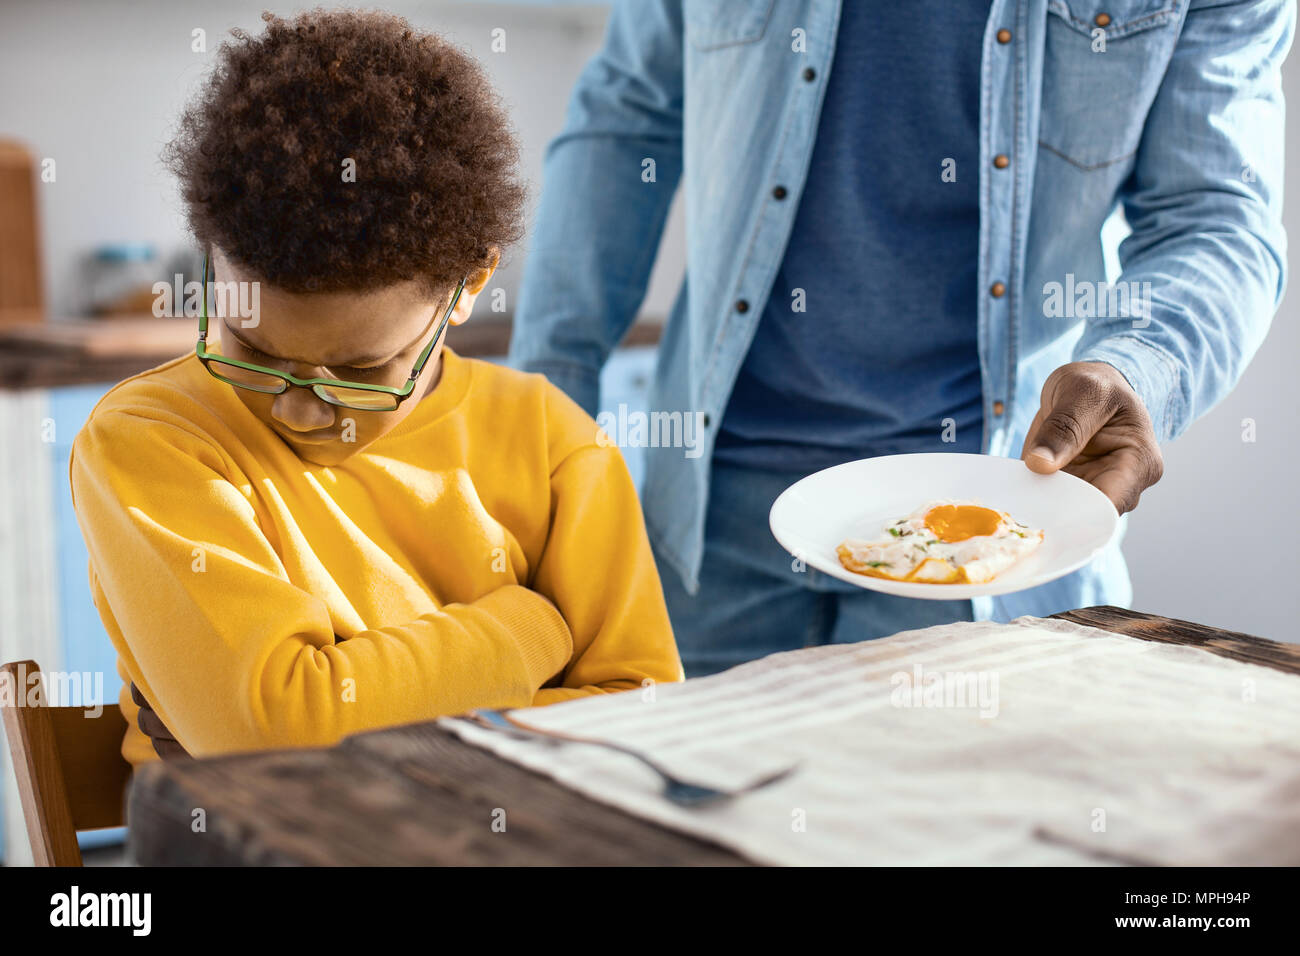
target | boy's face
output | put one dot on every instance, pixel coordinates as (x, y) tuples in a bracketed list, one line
[(370, 337)]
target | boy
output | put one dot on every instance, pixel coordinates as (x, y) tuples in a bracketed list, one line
[(353, 527)]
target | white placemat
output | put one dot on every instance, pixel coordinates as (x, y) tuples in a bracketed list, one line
[(1034, 742)]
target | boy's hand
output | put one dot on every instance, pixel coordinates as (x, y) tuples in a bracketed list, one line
[(1092, 425), (151, 725)]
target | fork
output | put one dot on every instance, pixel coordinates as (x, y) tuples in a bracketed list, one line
[(684, 793)]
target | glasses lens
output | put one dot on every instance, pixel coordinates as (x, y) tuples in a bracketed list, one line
[(358, 398), (247, 378)]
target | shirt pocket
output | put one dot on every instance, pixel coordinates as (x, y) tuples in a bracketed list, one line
[(713, 24), (1100, 78)]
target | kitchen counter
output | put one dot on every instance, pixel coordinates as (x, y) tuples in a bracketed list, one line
[(83, 351)]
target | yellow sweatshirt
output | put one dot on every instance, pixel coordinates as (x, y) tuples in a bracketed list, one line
[(487, 552)]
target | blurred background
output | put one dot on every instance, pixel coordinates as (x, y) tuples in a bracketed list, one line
[(95, 86)]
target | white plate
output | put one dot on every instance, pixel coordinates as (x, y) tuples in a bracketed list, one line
[(857, 499)]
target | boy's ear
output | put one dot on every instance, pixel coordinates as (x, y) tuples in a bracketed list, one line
[(475, 283), (477, 280)]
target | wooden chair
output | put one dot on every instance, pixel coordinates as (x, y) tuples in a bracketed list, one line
[(71, 772)]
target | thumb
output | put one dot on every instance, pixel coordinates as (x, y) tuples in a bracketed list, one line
[(1072, 412)]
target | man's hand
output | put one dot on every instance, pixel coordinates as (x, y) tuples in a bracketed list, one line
[(1093, 425), (152, 726)]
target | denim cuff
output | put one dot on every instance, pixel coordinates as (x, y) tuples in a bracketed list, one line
[(1153, 374)]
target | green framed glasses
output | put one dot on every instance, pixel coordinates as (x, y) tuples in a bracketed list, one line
[(357, 395)]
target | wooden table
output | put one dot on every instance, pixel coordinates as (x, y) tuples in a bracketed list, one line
[(418, 795)]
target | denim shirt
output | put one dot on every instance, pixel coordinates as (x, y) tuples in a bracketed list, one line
[(1169, 109)]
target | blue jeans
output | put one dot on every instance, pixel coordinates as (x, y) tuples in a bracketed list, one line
[(752, 602)]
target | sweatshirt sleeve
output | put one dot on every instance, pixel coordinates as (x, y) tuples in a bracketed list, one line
[(229, 651), (598, 569)]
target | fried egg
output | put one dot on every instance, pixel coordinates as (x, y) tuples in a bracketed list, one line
[(943, 542)]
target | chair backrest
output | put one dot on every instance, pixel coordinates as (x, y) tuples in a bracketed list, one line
[(70, 769)]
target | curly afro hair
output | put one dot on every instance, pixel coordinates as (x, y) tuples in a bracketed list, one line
[(260, 154)]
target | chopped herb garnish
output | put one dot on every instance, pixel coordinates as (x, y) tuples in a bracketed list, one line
[(1021, 533), (879, 564), (895, 532)]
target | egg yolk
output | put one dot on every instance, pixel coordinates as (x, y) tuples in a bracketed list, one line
[(958, 522)]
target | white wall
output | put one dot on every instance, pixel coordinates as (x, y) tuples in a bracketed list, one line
[(97, 85)]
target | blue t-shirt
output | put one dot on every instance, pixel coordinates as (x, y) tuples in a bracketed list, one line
[(882, 257)]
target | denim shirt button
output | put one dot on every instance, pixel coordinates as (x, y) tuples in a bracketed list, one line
[(742, 305), (998, 408), (779, 192), (1102, 19), (997, 289), (1004, 35), (1001, 161), (810, 74)]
